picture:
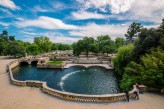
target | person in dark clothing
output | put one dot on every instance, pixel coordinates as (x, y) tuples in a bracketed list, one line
[(127, 94), (136, 95)]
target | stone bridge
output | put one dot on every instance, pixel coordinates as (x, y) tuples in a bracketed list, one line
[(30, 60), (107, 66)]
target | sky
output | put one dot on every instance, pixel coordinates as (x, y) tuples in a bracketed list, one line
[(67, 21)]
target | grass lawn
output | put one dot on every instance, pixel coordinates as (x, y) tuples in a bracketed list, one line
[(55, 62)]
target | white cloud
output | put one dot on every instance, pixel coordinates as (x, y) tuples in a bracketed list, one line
[(59, 37), (6, 11), (143, 10), (53, 36), (115, 6), (82, 15), (46, 23), (40, 9), (31, 33), (94, 30), (4, 24), (9, 4)]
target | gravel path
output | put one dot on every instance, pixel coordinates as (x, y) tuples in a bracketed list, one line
[(14, 97)]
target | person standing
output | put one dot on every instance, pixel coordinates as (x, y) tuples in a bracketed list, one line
[(137, 90), (127, 94)]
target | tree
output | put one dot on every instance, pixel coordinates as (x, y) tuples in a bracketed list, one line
[(43, 43), (132, 32), (87, 44), (77, 47), (102, 42), (4, 35), (148, 72), (12, 38), (161, 27), (119, 42), (147, 39), (33, 49), (123, 57), (2, 45), (14, 48)]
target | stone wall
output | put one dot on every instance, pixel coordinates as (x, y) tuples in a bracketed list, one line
[(51, 65), (66, 95)]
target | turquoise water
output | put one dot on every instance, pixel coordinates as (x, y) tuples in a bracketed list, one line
[(76, 79)]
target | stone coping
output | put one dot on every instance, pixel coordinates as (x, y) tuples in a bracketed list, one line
[(66, 95), (90, 65)]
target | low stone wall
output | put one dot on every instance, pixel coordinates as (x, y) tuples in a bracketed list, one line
[(51, 65), (67, 95)]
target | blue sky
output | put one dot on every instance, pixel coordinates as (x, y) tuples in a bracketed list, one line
[(66, 21)]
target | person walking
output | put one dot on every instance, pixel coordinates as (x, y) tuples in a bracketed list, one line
[(137, 91), (127, 94)]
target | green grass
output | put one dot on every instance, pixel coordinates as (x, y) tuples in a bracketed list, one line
[(55, 62)]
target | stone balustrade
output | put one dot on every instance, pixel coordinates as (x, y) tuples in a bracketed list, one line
[(67, 95)]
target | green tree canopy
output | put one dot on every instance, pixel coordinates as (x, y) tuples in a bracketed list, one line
[(119, 42), (132, 32), (14, 48), (148, 72), (43, 43), (33, 49), (123, 57)]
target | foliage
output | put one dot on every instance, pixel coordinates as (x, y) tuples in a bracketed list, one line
[(6, 37), (103, 44), (85, 45), (14, 48), (123, 57), (132, 32), (2, 45), (55, 62), (148, 72), (33, 49), (43, 43), (119, 42), (148, 38)]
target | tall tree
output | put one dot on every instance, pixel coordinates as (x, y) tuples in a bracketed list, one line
[(119, 42), (87, 44), (132, 32), (33, 49), (2, 45), (44, 43), (12, 38), (4, 35), (147, 39)]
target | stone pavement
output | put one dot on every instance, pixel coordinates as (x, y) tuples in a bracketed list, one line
[(14, 97)]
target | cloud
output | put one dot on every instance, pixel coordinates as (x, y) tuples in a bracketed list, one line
[(115, 6), (31, 33), (145, 10), (82, 15), (53, 36), (45, 23), (41, 9), (9, 4), (59, 37), (94, 30), (4, 24), (6, 11)]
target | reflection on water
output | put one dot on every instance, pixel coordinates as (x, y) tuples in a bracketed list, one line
[(77, 79)]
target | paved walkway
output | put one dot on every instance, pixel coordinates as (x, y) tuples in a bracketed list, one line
[(14, 97), (89, 65)]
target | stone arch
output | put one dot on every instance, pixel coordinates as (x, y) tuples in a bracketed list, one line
[(24, 63), (34, 62)]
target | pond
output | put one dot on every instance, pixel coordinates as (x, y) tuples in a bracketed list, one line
[(76, 79)]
